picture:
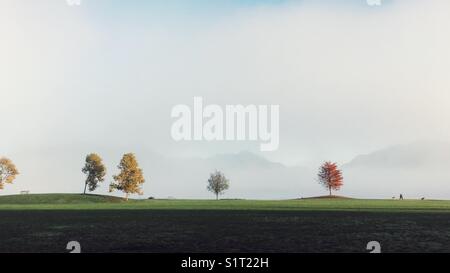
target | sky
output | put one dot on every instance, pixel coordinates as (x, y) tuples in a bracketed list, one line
[(103, 76)]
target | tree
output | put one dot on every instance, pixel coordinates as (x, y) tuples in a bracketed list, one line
[(95, 172), (330, 176), (8, 172), (218, 183), (130, 178)]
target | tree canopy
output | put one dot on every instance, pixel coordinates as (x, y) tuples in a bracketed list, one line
[(330, 176), (95, 172), (8, 172), (130, 178), (218, 183)]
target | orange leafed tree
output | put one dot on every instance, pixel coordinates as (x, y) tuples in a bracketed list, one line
[(330, 176)]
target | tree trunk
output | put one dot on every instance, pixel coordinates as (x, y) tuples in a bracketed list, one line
[(217, 196), (85, 186), (126, 196), (330, 190)]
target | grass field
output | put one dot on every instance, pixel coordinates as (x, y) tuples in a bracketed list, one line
[(45, 223)]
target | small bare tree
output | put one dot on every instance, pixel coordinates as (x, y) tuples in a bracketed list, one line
[(218, 183)]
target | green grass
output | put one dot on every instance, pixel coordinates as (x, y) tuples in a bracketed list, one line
[(98, 202), (45, 223), (57, 199)]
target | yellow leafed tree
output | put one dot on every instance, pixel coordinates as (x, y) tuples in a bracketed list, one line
[(130, 178), (8, 172), (95, 172)]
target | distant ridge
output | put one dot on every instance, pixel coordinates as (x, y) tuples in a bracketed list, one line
[(243, 159), (413, 155)]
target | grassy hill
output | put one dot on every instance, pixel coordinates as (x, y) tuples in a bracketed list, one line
[(101, 202), (41, 199)]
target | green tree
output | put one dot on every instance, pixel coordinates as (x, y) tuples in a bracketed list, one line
[(95, 172), (218, 183), (8, 172), (130, 178)]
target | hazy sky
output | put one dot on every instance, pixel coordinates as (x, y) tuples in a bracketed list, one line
[(349, 78)]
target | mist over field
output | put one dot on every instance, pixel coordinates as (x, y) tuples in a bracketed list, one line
[(367, 87), (416, 170)]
